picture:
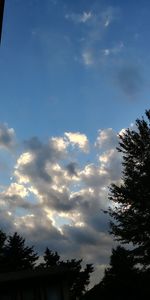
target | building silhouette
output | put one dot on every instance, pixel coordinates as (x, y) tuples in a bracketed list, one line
[(48, 284), (2, 2)]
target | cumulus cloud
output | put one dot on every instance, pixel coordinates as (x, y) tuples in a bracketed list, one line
[(78, 139), (72, 168), (56, 201), (107, 139)]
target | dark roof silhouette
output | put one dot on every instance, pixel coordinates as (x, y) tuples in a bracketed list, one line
[(2, 2), (55, 272)]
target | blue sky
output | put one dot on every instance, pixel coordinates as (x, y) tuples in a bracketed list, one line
[(45, 74), (72, 75)]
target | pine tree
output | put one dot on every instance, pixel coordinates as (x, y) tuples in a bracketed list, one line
[(130, 212), (122, 266), (79, 277), (2, 250), (51, 258), (121, 278), (18, 255)]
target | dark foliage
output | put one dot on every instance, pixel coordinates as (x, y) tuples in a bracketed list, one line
[(2, 250), (122, 280), (79, 278), (131, 216), (128, 275), (14, 254), (51, 258), (19, 256)]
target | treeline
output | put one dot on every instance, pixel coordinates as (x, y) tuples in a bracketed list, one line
[(128, 276), (15, 255)]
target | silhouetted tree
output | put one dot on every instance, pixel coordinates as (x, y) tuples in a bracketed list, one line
[(121, 278), (51, 258), (3, 238), (131, 214), (18, 255), (79, 278)]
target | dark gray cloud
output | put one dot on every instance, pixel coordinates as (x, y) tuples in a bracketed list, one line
[(99, 221), (130, 79), (7, 137), (81, 236), (42, 154), (72, 168)]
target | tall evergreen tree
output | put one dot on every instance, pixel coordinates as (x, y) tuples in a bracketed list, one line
[(121, 279), (3, 238), (79, 277), (51, 258), (18, 255), (131, 210)]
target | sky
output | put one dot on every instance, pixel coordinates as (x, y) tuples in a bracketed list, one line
[(73, 75)]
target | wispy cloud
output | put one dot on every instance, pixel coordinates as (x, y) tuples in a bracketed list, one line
[(109, 15), (87, 58), (79, 18), (96, 23), (114, 50)]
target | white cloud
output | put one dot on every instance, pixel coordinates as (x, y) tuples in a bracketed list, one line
[(16, 189), (59, 143), (78, 139), (107, 139)]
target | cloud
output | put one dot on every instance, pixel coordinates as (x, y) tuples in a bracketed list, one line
[(72, 168), (130, 79), (109, 15), (79, 18), (7, 137), (55, 200), (114, 50), (78, 139), (107, 139), (87, 58), (96, 23)]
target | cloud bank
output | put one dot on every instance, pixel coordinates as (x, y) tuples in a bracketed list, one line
[(55, 200)]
